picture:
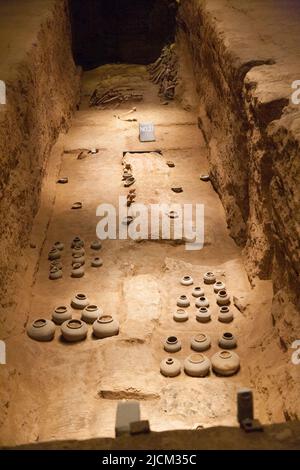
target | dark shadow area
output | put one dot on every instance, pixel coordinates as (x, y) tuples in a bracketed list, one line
[(127, 31)]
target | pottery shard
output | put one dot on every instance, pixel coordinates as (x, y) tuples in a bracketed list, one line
[(240, 304)]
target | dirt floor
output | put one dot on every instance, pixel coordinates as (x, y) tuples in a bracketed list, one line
[(61, 391)]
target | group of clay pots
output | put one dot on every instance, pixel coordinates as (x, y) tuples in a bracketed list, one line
[(225, 362), (127, 177), (78, 258), (72, 329), (203, 314)]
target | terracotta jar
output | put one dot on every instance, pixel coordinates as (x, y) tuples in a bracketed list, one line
[(209, 278), (59, 246), (80, 301), (78, 259), (198, 292), (187, 281), (74, 330), (56, 264), (77, 242), (200, 342), (228, 341), (225, 363), (54, 254), (183, 301), (225, 315), (202, 302), (219, 285), (105, 326), (97, 262), (61, 314), (55, 273), (196, 365), (203, 315), (91, 313), (77, 270), (41, 330), (180, 315), (170, 367), (223, 298), (78, 250), (96, 245), (172, 344)]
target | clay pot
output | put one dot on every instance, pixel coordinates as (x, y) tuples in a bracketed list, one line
[(54, 254), (105, 326), (203, 315), (77, 242), (56, 264), (55, 273), (78, 259), (59, 246), (183, 302), (74, 330), (196, 365), (170, 367), (219, 285), (225, 363), (187, 281), (41, 330), (200, 342), (198, 292), (129, 181), (202, 302), (228, 341), (172, 344), (225, 315), (80, 301), (96, 245), (97, 262), (77, 205), (79, 250), (77, 271), (61, 314), (223, 298), (91, 313), (180, 315), (209, 278)]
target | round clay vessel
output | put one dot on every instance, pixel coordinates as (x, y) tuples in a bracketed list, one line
[(80, 301), (225, 315), (196, 365), (225, 363), (55, 273), (78, 250), (219, 285), (202, 302), (91, 313), (78, 259), (59, 246), (228, 341), (41, 330), (223, 298), (74, 330), (97, 262), (61, 314), (96, 245), (180, 315), (172, 344), (77, 242), (200, 342), (209, 278), (170, 367), (56, 264), (183, 301), (105, 326), (77, 270), (54, 254), (198, 292), (187, 281), (203, 315)]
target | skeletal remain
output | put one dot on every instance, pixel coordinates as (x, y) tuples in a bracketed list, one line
[(164, 72)]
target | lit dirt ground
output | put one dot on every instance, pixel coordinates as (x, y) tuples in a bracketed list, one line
[(70, 391)]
